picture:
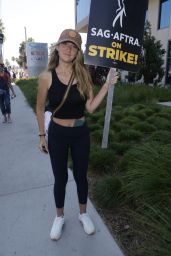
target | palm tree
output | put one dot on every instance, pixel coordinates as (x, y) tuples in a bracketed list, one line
[(2, 28), (13, 59), (1, 39), (21, 60)]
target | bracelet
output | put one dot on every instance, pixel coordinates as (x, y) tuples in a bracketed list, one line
[(40, 135)]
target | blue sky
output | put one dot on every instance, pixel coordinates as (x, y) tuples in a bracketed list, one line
[(44, 20)]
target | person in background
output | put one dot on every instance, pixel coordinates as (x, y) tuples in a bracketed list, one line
[(13, 77), (68, 129), (5, 86), (8, 75)]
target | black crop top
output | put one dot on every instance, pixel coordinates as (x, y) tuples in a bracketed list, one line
[(74, 105)]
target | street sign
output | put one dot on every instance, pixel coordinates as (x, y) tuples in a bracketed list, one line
[(37, 58)]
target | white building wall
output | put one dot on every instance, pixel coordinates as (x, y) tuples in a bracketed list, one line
[(164, 34)]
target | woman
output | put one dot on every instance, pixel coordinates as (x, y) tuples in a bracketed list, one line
[(67, 129), (5, 87)]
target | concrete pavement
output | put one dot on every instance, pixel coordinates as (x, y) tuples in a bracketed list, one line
[(27, 207), (168, 104)]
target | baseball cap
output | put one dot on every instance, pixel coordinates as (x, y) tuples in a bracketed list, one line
[(70, 35)]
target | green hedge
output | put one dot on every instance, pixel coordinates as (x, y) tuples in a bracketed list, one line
[(29, 88)]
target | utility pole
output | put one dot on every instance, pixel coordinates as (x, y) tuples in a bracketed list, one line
[(25, 33), (25, 56)]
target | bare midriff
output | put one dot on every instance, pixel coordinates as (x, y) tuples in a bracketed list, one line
[(66, 122)]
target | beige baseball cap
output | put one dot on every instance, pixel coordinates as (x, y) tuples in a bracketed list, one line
[(70, 35)]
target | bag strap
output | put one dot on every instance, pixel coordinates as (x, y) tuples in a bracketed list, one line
[(65, 95)]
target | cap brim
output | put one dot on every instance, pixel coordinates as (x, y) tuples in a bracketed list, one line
[(68, 40)]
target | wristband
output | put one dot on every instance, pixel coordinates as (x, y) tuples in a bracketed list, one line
[(40, 135)]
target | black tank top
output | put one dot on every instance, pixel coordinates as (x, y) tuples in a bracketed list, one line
[(74, 105)]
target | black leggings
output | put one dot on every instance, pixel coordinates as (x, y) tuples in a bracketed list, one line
[(5, 103), (60, 140)]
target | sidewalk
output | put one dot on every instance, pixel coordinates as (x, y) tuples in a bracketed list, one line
[(168, 104), (27, 207)]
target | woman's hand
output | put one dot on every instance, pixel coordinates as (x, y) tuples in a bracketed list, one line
[(43, 145), (13, 96), (112, 77)]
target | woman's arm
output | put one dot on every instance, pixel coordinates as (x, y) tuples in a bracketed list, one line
[(44, 82), (93, 102)]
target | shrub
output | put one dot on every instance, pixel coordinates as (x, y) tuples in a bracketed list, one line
[(163, 115), (130, 120), (167, 110), (94, 127), (160, 123), (95, 116), (119, 148), (117, 108), (108, 192), (140, 114), (102, 160), (162, 94), (148, 111), (119, 126), (155, 224), (29, 88), (156, 108), (163, 137), (129, 111), (116, 115), (159, 222), (129, 135), (101, 121), (96, 136), (144, 127), (113, 136), (130, 94), (148, 174), (139, 106)]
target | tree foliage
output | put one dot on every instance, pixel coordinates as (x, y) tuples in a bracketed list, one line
[(151, 59), (21, 60), (151, 66), (2, 28), (2, 38)]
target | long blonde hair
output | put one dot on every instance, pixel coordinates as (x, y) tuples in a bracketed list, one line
[(80, 71)]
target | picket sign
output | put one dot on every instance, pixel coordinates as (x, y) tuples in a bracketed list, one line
[(108, 116), (115, 40)]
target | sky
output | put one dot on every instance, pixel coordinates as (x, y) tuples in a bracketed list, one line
[(44, 20)]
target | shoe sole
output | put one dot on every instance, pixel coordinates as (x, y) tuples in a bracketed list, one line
[(55, 239)]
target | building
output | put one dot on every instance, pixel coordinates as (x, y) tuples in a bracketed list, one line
[(159, 16)]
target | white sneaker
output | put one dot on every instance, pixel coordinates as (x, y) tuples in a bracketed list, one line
[(57, 226), (87, 223)]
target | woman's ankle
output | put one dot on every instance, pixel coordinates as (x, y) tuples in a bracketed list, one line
[(60, 212)]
